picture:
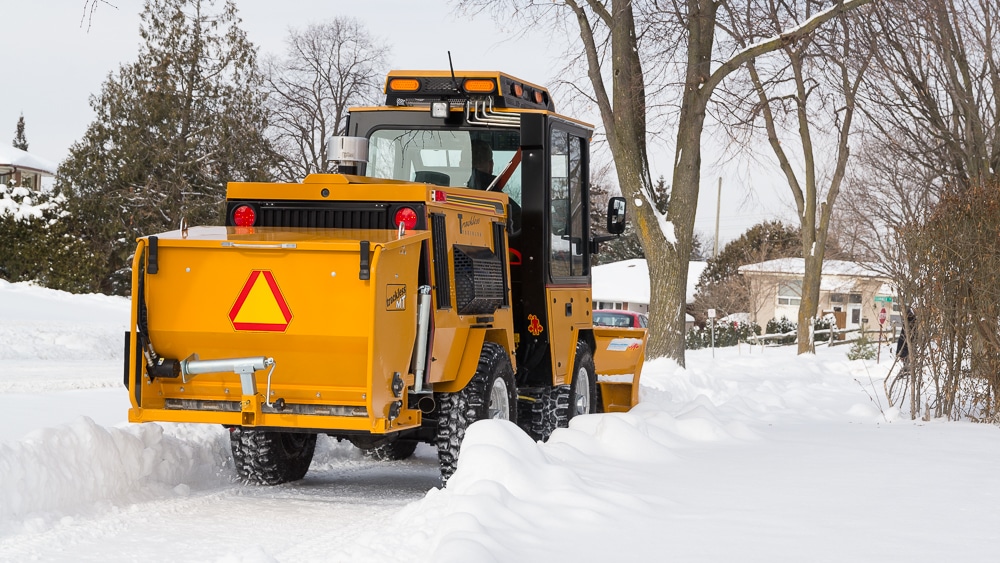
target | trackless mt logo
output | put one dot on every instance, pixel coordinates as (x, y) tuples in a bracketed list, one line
[(395, 297), (464, 225)]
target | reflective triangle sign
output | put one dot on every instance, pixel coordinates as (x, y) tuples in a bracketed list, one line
[(260, 305)]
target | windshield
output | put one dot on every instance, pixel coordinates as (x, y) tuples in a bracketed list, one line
[(471, 159)]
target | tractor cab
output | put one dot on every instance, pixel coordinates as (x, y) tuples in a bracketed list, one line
[(493, 132)]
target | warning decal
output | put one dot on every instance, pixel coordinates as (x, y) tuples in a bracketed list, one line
[(260, 305)]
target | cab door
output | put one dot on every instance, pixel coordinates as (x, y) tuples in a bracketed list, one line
[(568, 288)]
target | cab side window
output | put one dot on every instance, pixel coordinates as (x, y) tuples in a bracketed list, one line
[(568, 210)]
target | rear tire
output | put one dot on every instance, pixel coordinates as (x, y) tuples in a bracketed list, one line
[(492, 393), (271, 458), (549, 411)]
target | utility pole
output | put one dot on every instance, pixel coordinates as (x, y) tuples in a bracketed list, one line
[(718, 209)]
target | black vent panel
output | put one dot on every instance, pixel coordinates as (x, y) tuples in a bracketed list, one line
[(324, 218), (326, 214), (439, 238), (479, 284)]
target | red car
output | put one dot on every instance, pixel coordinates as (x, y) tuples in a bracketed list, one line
[(619, 317)]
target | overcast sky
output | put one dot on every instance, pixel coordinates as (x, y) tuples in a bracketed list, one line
[(53, 59)]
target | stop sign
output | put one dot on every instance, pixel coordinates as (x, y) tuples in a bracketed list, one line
[(881, 316)]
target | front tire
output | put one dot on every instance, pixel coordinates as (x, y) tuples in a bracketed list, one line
[(491, 394), (271, 458), (555, 406), (583, 398)]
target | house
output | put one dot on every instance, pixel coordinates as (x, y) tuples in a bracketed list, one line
[(846, 287), (625, 285), (21, 168)]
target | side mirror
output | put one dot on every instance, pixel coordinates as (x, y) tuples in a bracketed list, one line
[(616, 215)]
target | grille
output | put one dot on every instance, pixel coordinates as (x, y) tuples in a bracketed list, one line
[(325, 218), (439, 85), (439, 237), (479, 288), (500, 246)]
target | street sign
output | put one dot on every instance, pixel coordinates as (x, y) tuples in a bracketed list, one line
[(711, 313), (882, 316), (883, 299)]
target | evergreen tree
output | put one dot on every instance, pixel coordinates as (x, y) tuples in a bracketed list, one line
[(763, 241), (20, 141), (171, 129), (36, 245)]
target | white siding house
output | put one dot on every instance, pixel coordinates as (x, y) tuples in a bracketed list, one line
[(625, 285), (846, 287)]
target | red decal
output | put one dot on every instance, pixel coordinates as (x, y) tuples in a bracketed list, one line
[(534, 327)]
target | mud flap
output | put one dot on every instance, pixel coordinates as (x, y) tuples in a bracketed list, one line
[(618, 357)]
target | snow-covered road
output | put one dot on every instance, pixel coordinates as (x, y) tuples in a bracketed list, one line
[(754, 455), (343, 499)]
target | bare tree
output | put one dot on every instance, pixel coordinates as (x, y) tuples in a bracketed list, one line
[(614, 36), (327, 68), (934, 99), (929, 183), (812, 87)]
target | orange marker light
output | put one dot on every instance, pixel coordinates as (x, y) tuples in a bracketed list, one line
[(404, 84), (479, 85), (518, 90), (539, 98)]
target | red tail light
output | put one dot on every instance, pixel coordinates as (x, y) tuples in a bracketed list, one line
[(407, 217), (244, 216)]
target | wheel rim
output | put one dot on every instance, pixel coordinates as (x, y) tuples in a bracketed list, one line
[(499, 405), (581, 392)]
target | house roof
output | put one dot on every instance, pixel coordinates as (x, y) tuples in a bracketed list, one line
[(797, 266), (628, 280), (11, 157)]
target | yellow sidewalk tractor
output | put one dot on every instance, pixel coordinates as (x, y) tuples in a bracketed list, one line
[(440, 276)]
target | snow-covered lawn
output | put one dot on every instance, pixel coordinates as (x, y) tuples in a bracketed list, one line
[(755, 455)]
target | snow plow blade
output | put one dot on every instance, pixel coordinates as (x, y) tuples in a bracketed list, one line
[(276, 328), (618, 357)]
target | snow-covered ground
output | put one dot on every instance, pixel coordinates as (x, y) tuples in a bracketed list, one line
[(755, 455)]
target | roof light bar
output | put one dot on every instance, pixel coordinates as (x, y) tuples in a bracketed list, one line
[(479, 85), (404, 84)]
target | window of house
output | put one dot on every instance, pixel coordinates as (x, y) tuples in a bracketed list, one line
[(790, 293), (855, 298), (838, 298)]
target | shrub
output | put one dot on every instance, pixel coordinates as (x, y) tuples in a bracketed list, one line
[(861, 349)]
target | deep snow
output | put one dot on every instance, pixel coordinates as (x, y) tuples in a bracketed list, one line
[(756, 455)]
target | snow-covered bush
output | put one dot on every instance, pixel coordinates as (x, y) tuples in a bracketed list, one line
[(782, 326), (727, 333)]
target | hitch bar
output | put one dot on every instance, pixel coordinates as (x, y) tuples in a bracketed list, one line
[(244, 367)]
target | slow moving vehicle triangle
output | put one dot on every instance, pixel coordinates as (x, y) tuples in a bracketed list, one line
[(260, 305)]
